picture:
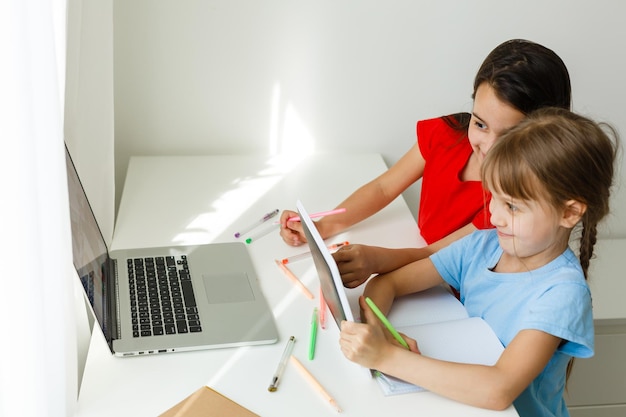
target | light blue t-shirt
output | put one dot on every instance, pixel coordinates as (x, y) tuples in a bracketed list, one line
[(554, 298)]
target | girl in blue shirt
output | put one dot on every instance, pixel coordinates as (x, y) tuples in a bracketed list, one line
[(548, 175)]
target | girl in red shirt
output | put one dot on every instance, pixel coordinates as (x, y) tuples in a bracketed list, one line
[(517, 77)]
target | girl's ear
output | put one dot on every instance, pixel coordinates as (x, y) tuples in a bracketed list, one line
[(574, 211)]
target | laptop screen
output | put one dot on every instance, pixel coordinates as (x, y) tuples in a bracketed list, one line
[(88, 248)]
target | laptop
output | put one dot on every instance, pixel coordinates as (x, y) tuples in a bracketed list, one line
[(327, 271), (167, 299)]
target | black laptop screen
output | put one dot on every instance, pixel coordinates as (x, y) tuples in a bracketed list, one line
[(88, 248)]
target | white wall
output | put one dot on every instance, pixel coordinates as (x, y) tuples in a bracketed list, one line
[(249, 76), (89, 126)]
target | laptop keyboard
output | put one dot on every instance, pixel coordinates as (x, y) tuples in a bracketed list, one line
[(161, 296)]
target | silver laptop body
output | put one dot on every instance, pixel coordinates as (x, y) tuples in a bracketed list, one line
[(170, 299)]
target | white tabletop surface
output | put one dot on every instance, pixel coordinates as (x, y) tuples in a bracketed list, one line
[(211, 198)]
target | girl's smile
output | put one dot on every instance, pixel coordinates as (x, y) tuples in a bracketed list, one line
[(490, 117), (531, 233)]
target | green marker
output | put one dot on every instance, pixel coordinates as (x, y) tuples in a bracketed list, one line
[(388, 325), (313, 335)]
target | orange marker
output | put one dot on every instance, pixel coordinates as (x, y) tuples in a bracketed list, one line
[(315, 383), (294, 278), (322, 310), (307, 254)]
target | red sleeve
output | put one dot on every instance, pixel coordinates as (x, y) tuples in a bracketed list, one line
[(447, 203), (482, 219), (426, 130)]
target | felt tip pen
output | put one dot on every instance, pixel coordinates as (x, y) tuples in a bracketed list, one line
[(386, 322), (294, 279), (260, 234), (281, 365), (316, 215), (315, 383), (313, 335), (258, 222), (305, 255), (322, 310)]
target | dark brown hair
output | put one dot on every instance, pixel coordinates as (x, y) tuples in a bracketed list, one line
[(524, 74)]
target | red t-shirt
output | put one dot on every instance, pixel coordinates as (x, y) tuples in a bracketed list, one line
[(446, 202)]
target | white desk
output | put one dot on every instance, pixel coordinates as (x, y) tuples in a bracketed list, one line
[(212, 197)]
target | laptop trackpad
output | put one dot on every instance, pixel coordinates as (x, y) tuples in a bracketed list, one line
[(231, 287)]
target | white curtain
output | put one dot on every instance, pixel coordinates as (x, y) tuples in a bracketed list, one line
[(37, 324)]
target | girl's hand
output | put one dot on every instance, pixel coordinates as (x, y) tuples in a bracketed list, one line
[(291, 232), (363, 343), (355, 263), (411, 342), (369, 316), (368, 343)]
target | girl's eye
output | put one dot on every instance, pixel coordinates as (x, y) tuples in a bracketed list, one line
[(480, 125), (512, 207)]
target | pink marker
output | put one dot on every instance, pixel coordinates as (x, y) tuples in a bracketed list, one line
[(320, 214), (322, 315)]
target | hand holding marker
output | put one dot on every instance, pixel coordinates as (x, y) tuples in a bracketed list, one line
[(291, 219), (386, 322), (316, 215)]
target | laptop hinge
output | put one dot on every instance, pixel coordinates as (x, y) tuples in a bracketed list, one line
[(114, 303)]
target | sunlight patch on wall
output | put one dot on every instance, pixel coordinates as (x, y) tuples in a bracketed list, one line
[(296, 138), (288, 133), (289, 142)]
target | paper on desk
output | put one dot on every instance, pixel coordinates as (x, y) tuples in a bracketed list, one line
[(206, 402)]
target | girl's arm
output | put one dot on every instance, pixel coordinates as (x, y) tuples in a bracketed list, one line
[(493, 387), (414, 277), (364, 202), (357, 263)]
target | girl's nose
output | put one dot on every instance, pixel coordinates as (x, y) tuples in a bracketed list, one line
[(488, 142), (496, 218)]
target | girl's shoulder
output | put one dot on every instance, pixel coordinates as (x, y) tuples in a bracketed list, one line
[(485, 237), (450, 124), (480, 242), (440, 133), (565, 269)]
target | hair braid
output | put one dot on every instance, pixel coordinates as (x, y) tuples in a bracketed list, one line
[(588, 240)]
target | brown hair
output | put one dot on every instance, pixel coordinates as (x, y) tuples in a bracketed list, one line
[(556, 155)]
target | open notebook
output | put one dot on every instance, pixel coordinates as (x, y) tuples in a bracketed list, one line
[(435, 318), (443, 330)]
